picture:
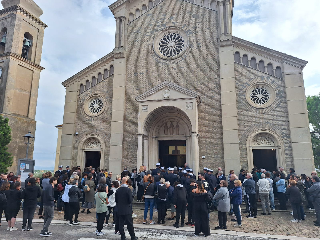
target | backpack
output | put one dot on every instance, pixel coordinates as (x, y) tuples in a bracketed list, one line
[(3, 197), (86, 188)]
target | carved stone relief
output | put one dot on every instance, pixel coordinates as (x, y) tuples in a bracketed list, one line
[(264, 139), (92, 143), (166, 93), (189, 105)]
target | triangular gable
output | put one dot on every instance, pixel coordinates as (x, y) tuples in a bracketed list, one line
[(167, 91)]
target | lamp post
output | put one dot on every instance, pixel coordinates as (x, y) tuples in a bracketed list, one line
[(27, 141)]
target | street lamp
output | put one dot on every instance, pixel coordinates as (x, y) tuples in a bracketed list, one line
[(27, 141)]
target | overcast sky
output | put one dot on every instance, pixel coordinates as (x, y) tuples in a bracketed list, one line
[(82, 31)]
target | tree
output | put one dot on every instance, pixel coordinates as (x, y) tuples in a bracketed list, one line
[(313, 104), (5, 138)]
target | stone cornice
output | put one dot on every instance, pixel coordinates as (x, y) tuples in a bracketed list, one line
[(17, 8), (108, 57), (293, 61), (169, 85), (17, 56), (116, 4)]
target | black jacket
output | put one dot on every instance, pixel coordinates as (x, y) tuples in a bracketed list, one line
[(162, 192), (294, 195), (13, 198), (74, 194), (179, 195), (124, 200), (149, 188), (47, 196), (30, 195)]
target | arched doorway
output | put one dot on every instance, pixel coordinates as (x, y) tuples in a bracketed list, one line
[(265, 151), (91, 153), (167, 137)]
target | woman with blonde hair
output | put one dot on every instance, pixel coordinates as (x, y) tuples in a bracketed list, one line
[(236, 200)]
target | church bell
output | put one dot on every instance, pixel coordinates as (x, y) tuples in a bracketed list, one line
[(3, 39), (26, 43)]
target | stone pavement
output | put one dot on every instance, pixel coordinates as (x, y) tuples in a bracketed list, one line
[(85, 231)]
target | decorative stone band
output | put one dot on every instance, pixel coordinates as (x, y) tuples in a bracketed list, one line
[(172, 86), (17, 56), (17, 8), (269, 53), (108, 58)]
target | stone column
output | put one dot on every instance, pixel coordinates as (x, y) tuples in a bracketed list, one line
[(123, 25), (117, 33), (139, 151), (146, 151), (298, 120), (195, 152), (228, 18)]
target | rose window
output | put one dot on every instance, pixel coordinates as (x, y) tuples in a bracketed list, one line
[(171, 45), (260, 95), (95, 106)]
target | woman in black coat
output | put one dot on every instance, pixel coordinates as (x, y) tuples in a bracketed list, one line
[(3, 198), (295, 199), (200, 210), (30, 195), (13, 205)]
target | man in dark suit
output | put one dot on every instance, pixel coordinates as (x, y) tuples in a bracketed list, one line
[(124, 205)]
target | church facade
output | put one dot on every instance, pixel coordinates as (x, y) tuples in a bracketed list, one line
[(180, 88)]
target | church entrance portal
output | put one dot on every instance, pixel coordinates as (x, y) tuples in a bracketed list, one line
[(93, 159), (265, 158), (172, 153)]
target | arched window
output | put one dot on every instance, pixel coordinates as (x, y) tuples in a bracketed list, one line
[(106, 74), (81, 88), (3, 40), (270, 69), (27, 46), (253, 63), (278, 72), (237, 57), (94, 81), (131, 17), (213, 5), (150, 5), (99, 77), (261, 66), (206, 3), (111, 70), (87, 84), (245, 60), (137, 13), (144, 8)]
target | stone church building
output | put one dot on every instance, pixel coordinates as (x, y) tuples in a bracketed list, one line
[(180, 88)]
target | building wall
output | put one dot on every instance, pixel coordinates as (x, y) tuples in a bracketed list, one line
[(251, 119), (197, 70)]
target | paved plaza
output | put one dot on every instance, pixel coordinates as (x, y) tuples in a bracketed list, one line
[(276, 226)]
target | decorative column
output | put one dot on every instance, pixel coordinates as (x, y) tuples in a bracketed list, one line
[(122, 33), (229, 17), (195, 152), (221, 18), (117, 32), (139, 151), (146, 151)]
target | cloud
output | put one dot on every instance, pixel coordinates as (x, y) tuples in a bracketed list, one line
[(82, 31)]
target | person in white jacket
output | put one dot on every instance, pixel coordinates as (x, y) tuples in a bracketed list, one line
[(112, 202), (264, 189), (65, 199)]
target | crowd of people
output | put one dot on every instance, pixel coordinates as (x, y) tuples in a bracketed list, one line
[(174, 191)]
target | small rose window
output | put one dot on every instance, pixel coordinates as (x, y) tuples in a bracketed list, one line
[(171, 45), (95, 106)]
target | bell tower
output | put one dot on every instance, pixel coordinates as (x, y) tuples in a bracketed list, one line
[(21, 39)]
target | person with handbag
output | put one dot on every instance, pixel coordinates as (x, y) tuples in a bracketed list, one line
[(222, 196), (101, 198), (149, 192)]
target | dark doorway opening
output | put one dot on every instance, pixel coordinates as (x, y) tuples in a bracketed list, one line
[(172, 153), (265, 158), (93, 159)]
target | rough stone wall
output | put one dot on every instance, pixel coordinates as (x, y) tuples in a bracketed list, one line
[(196, 70), (274, 117), (99, 125), (17, 147)]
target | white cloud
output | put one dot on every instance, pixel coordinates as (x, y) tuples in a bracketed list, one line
[(82, 31)]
